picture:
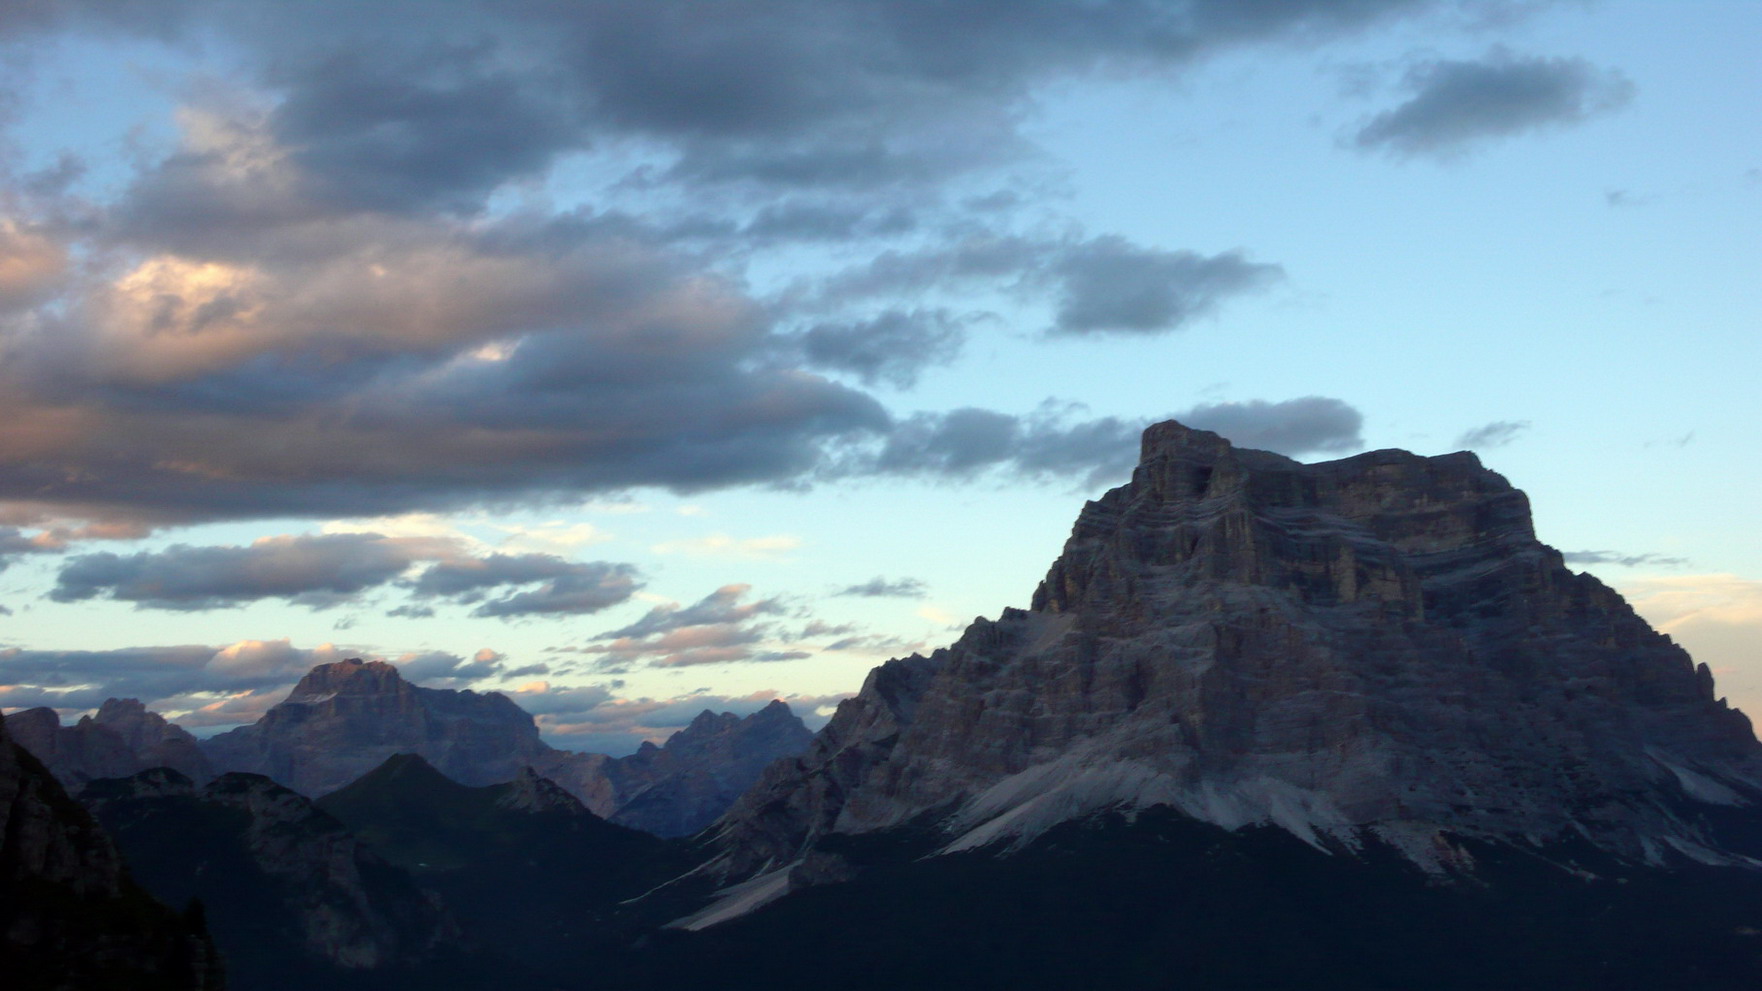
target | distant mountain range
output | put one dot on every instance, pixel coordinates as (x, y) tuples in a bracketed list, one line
[(1266, 725)]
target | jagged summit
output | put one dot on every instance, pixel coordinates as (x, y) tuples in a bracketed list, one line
[(349, 677), (1377, 645), (346, 718)]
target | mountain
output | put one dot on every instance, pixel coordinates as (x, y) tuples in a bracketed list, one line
[(122, 739), (685, 784), (1372, 646), (70, 916), (294, 899), (1265, 725), (344, 719), (528, 869)]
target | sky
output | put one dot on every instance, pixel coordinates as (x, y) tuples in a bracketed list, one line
[(639, 357)]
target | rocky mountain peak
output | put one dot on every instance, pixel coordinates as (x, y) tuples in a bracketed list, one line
[(123, 738), (346, 718), (1374, 645), (349, 677)]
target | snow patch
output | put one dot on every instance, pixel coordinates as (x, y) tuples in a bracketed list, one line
[(1025, 805), (1699, 787), (737, 900)]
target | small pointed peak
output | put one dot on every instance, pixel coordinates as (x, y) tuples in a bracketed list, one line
[(775, 707)]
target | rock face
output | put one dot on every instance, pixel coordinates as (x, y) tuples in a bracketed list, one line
[(70, 917), (679, 788), (292, 895), (1376, 646), (123, 739), (344, 719)]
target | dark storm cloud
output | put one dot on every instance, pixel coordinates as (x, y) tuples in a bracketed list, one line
[(1495, 434), (1294, 427), (316, 570), (894, 346), (1455, 104), (1625, 560), (880, 587)]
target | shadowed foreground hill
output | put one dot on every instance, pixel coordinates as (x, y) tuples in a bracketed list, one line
[(70, 917), (295, 901), (528, 870)]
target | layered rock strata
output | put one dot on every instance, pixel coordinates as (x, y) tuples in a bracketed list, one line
[(124, 738), (1372, 646), (345, 719)]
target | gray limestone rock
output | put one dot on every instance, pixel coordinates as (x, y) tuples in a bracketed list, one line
[(344, 719), (122, 739), (1377, 644)]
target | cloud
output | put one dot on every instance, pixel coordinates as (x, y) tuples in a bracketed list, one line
[(307, 306), (172, 679), (14, 544), (879, 587), (314, 570), (894, 346), (438, 669), (1108, 285), (1098, 285), (590, 589), (1495, 434), (32, 265), (721, 628), (965, 443), (1457, 104), (569, 588), (328, 569), (204, 686), (725, 605), (1293, 427), (1625, 560)]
